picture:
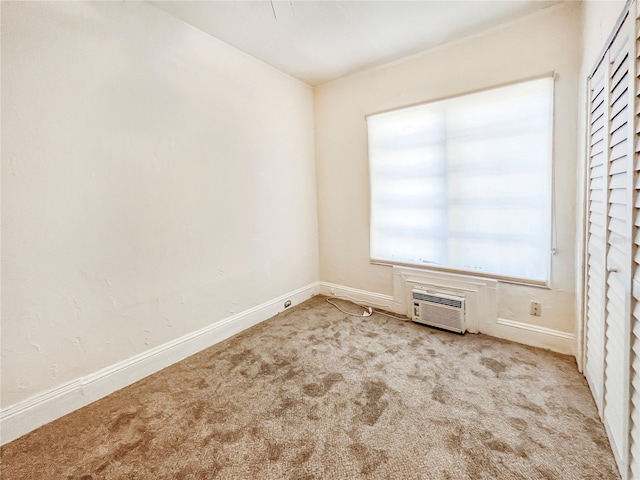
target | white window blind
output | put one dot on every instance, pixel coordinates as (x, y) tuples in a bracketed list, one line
[(465, 183)]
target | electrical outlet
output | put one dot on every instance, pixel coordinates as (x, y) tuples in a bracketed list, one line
[(332, 291), (287, 304), (536, 309)]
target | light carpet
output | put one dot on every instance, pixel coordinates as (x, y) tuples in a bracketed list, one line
[(315, 394)]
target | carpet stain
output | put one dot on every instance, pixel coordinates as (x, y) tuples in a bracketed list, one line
[(393, 349), (313, 413), (594, 429), (285, 404), (314, 389), (530, 406), (521, 452), (197, 409), (274, 451), (499, 446), (368, 458), (302, 476), (122, 420), (123, 450), (440, 394), (321, 388), (494, 365), (303, 455), (520, 361), (547, 474), (290, 374), (517, 423), (198, 473), (237, 358), (202, 384), (455, 440), (373, 406), (226, 436), (478, 374)]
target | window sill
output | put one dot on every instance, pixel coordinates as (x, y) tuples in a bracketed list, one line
[(468, 273)]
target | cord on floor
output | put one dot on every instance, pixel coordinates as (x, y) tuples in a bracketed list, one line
[(368, 311)]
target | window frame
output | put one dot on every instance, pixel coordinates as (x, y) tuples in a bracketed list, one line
[(546, 283)]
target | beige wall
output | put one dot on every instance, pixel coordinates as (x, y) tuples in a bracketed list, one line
[(154, 181), (541, 43), (598, 20)]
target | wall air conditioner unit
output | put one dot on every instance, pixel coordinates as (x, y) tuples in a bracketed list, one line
[(439, 310)]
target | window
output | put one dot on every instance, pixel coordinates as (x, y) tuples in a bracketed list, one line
[(465, 183)]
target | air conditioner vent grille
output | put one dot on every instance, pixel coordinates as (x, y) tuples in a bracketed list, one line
[(433, 299), (439, 309)]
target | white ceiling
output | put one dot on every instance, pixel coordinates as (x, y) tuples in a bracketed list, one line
[(317, 41)]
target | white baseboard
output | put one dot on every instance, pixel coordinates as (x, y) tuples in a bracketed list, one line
[(534, 335), (23, 417), (376, 300), (519, 332)]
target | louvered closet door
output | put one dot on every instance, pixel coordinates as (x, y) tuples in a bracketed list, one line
[(618, 243), (611, 191), (634, 359), (595, 328)]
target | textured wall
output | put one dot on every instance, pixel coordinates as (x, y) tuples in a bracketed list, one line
[(541, 43), (154, 181), (598, 20)]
